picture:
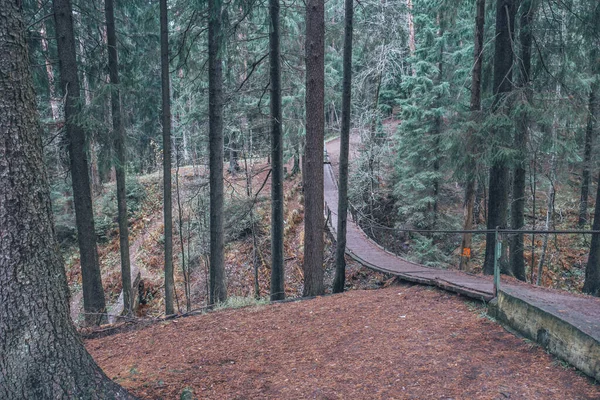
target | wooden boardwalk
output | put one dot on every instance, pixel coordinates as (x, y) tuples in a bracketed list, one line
[(582, 312)]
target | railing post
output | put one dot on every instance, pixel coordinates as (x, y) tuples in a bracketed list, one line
[(497, 252)]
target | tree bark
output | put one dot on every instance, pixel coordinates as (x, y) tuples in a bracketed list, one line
[(499, 180), (277, 266), (475, 107), (340, 252), (42, 356), (119, 143), (218, 289), (517, 260), (93, 293), (592, 269), (314, 222), (166, 125)]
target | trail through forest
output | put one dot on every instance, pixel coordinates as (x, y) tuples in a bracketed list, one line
[(136, 267), (404, 341), (581, 311)]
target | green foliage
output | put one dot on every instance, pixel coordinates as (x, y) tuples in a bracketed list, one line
[(106, 207), (241, 302), (424, 251), (421, 137), (428, 89)]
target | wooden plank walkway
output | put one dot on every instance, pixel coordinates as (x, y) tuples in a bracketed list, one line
[(582, 312), (368, 253)]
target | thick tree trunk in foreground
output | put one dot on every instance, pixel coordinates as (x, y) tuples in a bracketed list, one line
[(218, 289), (340, 251), (93, 293), (277, 266), (166, 125), (592, 270), (499, 180), (119, 142), (475, 107), (517, 219), (314, 222), (41, 355)]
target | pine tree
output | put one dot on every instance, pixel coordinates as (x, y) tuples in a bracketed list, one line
[(277, 266), (517, 260), (314, 222), (498, 178), (166, 125), (475, 108), (340, 260), (218, 288), (420, 134), (93, 293), (119, 143)]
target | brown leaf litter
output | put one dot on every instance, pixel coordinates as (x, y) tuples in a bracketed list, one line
[(402, 342)]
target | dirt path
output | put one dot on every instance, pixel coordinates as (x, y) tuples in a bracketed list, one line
[(403, 342), (136, 268)]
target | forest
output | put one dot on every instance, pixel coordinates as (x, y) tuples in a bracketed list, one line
[(171, 154)]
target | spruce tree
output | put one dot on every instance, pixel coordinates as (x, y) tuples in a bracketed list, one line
[(314, 223), (498, 178), (340, 255), (218, 288), (93, 293)]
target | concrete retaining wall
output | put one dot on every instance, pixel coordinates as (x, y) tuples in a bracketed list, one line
[(555, 335)]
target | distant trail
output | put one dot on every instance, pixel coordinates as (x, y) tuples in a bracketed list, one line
[(582, 312), (134, 251), (367, 252)]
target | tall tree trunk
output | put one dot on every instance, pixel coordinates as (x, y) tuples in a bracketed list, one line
[(314, 222), (218, 289), (87, 96), (340, 252), (475, 107), (592, 269), (587, 159), (277, 266), (49, 69), (42, 355), (119, 143), (166, 125), (93, 293), (549, 212), (499, 180), (517, 219), (550, 196), (593, 41)]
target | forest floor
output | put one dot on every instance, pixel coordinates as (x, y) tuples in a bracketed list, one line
[(404, 341)]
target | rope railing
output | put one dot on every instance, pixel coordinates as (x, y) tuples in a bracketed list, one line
[(498, 233)]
